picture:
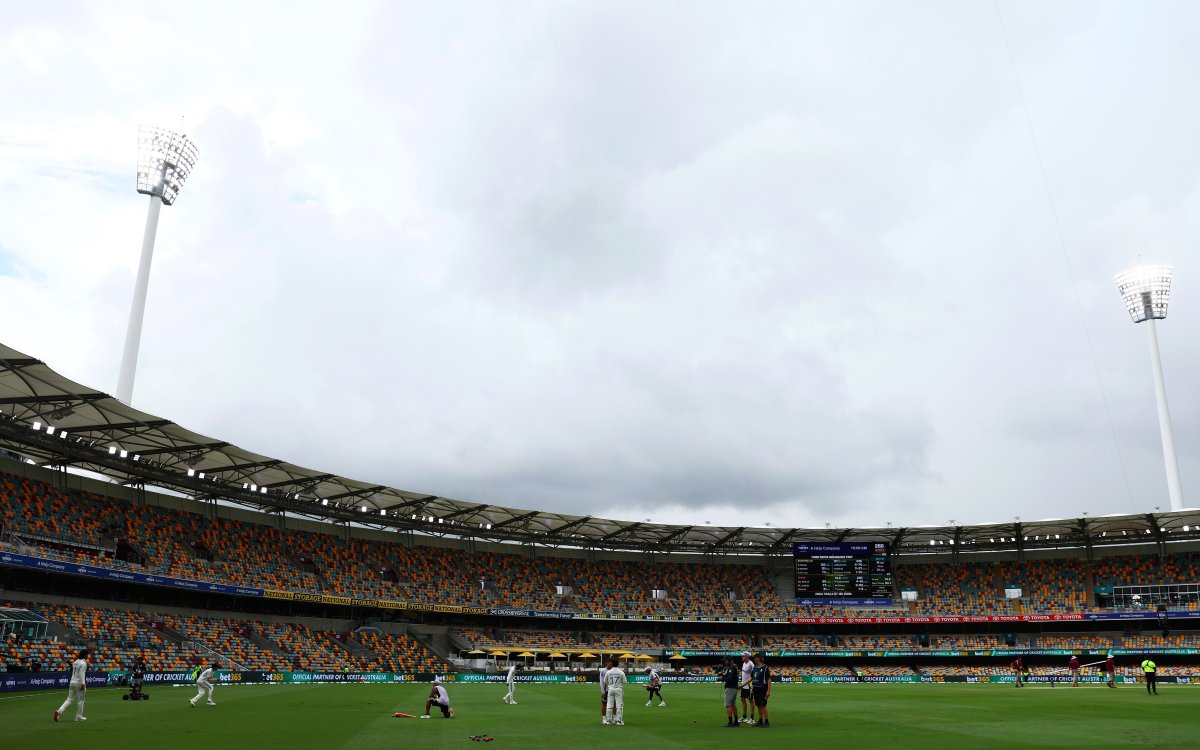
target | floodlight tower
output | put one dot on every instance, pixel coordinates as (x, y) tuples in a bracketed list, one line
[(165, 159), (1146, 290)]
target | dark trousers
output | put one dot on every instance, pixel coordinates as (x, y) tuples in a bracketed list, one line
[(653, 692), (1151, 683)]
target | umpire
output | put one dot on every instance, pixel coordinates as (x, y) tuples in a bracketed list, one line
[(1151, 670)]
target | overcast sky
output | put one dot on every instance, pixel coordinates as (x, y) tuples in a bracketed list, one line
[(699, 261)]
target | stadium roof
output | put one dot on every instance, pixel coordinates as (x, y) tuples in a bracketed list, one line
[(54, 421)]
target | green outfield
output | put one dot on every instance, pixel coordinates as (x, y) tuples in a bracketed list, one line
[(894, 717)]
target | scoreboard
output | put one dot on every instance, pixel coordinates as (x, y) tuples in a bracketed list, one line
[(856, 573)]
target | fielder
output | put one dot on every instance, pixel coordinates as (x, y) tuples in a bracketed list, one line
[(511, 681), (77, 688), (204, 686), (615, 680)]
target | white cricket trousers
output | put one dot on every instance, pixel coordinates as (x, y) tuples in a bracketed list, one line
[(74, 693), (202, 688), (511, 688), (616, 703)]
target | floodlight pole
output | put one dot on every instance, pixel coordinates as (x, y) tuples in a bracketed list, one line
[(1174, 483), (165, 159), (1146, 291), (137, 311)]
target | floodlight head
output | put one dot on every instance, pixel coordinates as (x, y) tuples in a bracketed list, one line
[(1146, 290), (165, 159)]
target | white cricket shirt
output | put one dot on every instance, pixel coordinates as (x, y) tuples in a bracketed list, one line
[(79, 672)]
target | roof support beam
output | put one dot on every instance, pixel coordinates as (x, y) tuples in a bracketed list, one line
[(356, 493), (621, 531), (304, 482), (149, 424), (676, 533), (514, 519), (465, 511), (64, 398), (728, 538), (182, 449), (572, 525), (242, 467)]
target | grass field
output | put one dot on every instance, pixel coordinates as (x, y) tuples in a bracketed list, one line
[(894, 717)]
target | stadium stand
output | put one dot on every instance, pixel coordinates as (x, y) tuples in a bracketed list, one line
[(1074, 641), (793, 642), (85, 527)]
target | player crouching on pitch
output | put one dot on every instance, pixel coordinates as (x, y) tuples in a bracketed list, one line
[(440, 698)]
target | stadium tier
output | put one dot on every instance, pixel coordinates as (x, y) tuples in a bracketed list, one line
[(167, 642), (85, 527)]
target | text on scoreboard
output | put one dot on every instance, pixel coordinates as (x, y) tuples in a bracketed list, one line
[(857, 573)]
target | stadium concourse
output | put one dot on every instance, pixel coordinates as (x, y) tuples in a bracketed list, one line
[(127, 534)]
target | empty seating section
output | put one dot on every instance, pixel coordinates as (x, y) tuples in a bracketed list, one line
[(540, 640), (1161, 641), (356, 567), (756, 596), (222, 636), (638, 642), (965, 642), (1147, 570), (1073, 641), (885, 670), (793, 643), (307, 650), (37, 507), (430, 574), (970, 670), (399, 653), (876, 643), (1048, 586), (712, 642), (966, 588), (122, 639), (822, 670), (477, 638)]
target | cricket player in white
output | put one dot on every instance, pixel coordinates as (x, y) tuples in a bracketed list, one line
[(77, 688), (204, 685), (511, 681), (603, 695), (615, 680)]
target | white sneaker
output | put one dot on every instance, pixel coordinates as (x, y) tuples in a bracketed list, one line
[(604, 722), (210, 703), (192, 704), (660, 705), (647, 703), (620, 722), (452, 713), (80, 718), (512, 703), (426, 716)]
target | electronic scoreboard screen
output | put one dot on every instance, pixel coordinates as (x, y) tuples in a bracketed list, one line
[(856, 573)]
